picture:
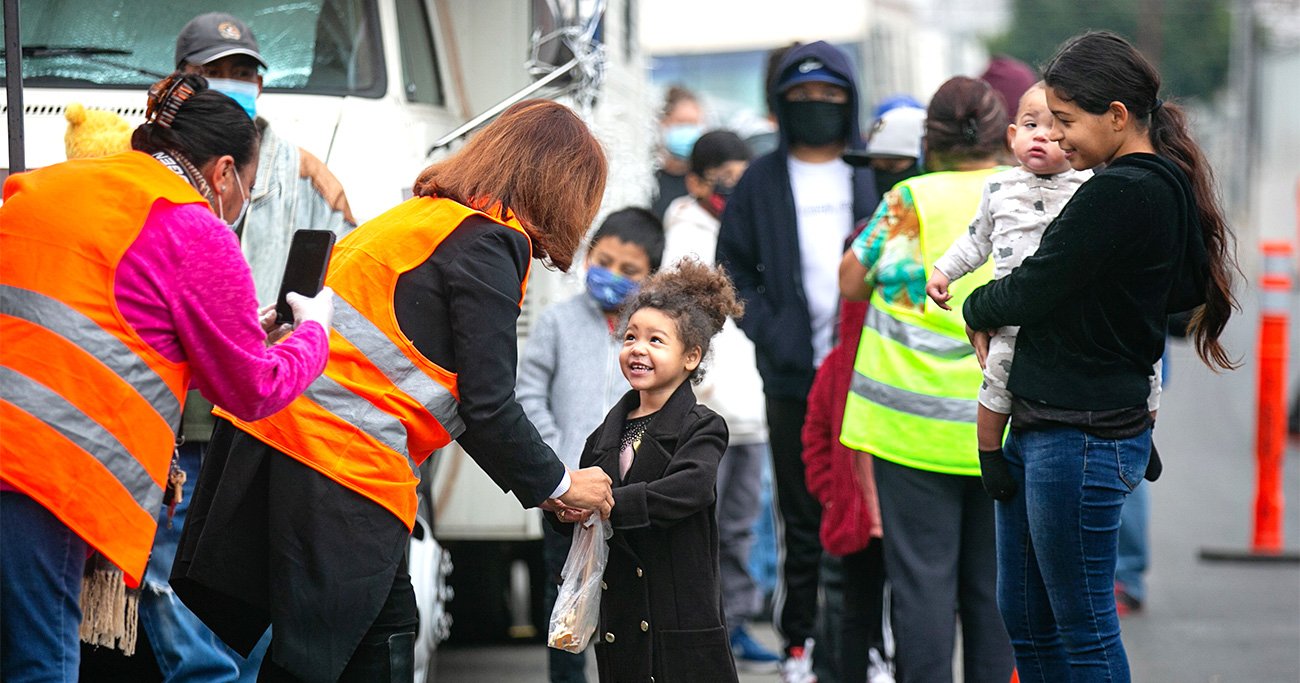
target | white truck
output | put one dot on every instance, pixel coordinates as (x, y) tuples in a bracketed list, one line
[(379, 89)]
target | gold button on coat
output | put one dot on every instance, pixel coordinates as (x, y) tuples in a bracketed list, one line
[(609, 637), (639, 572), (645, 626)]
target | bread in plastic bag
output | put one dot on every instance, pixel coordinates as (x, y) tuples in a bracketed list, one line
[(577, 607)]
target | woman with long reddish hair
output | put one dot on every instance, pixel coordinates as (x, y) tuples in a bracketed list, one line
[(301, 520)]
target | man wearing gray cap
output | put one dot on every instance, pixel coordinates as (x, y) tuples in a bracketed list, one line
[(293, 190)]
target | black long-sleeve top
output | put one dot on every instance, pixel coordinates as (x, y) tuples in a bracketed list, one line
[(460, 308), (260, 561), (1125, 252)]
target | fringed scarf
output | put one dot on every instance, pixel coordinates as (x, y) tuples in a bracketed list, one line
[(109, 610), (180, 164)]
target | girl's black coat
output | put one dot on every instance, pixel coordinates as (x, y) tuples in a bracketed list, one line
[(661, 611)]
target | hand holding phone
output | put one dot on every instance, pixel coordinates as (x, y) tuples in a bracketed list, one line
[(304, 273), (319, 308)]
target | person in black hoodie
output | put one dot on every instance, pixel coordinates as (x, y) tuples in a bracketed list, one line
[(1144, 238), (781, 239)]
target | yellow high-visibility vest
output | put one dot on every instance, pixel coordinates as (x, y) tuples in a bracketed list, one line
[(915, 383)]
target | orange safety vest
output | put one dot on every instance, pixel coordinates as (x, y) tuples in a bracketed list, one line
[(380, 408), (88, 410)]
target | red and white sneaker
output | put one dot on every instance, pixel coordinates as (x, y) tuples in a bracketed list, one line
[(797, 666)]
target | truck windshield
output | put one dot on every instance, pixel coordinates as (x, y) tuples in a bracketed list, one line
[(312, 46)]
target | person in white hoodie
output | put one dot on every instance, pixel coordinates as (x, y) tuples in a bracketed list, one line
[(732, 388)]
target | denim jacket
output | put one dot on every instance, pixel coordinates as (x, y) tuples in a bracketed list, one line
[(293, 190)]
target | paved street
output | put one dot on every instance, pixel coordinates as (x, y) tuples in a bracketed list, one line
[(1204, 622)]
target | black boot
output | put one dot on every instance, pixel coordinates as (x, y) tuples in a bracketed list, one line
[(401, 657), (392, 661), (1154, 466)]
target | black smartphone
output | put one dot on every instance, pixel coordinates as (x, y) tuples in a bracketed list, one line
[(309, 258)]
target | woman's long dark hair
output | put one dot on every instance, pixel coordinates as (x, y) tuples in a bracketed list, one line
[(964, 122), (1097, 68)]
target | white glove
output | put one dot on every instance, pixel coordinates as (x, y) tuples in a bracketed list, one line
[(319, 308)]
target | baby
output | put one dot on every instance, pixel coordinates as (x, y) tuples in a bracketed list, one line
[(1017, 206)]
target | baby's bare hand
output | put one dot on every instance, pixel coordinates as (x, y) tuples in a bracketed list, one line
[(937, 289)]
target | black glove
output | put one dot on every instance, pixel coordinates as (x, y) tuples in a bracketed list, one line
[(996, 476), (1154, 466)]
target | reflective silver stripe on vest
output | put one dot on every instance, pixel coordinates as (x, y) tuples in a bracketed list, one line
[(44, 404), (358, 412), (916, 338), (399, 369), (86, 334), (922, 405)]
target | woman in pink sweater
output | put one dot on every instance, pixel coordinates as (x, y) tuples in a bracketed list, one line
[(115, 262)]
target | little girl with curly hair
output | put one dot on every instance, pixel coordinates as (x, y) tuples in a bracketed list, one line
[(661, 612)]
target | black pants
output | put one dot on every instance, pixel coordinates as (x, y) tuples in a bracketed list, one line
[(798, 517), (862, 627), (373, 660), (941, 558)]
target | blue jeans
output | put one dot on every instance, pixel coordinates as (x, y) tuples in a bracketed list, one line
[(1134, 548), (1057, 541), (186, 650), (40, 593)]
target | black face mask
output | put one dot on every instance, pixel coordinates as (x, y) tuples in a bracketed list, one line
[(816, 123), (886, 180)]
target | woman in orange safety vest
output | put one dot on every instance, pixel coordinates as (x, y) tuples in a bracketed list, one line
[(121, 285), (301, 519)]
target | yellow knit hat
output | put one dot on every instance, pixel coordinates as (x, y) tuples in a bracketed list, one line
[(95, 133)]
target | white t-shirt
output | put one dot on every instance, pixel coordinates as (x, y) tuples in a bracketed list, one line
[(823, 201)]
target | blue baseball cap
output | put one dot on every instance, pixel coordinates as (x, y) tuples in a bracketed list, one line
[(809, 70)]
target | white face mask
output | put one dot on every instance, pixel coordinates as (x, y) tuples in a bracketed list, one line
[(243, 210)]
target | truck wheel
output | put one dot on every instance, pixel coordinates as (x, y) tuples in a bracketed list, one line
[(491, 603)]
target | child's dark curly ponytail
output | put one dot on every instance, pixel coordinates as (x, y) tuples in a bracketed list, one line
[(697, 297)]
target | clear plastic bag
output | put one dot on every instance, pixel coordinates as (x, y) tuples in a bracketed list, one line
[(577, 607)]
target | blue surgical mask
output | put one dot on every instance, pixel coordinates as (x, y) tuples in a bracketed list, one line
[(242, 92), (609, 290), (680, 138)]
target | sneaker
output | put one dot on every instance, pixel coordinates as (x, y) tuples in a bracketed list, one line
[(797, 666), (1125, 604), (878, 670), (751, 656)]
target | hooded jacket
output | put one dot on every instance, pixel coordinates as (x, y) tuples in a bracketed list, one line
[(839, 477), (1092, 302), (758, 242)]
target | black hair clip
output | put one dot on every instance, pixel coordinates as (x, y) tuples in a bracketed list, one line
[(970, 130), (165, 99)]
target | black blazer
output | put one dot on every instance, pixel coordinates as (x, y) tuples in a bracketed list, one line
[(661, 612)]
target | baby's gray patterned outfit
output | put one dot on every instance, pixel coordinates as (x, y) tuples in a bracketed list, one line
[(1015, 210)]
